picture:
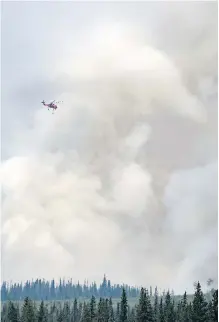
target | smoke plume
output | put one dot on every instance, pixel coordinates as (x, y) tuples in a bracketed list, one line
[(122, 179)]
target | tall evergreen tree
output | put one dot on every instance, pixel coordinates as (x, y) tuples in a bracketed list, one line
[(213, 307), (185, 317), (101, 311), (169, 308), (106, 310), (93, 308), (132, 317), (156, 306), (117, 311), (123, 307), (28, 314), (80, 311), (111, 312), (199, 306), (161, 311), (86, 316), (75, 311), (13, 313), (66, 312), (42, 315), (144, 310)]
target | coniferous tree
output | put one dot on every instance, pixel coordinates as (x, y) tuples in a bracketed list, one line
[(156, 306), (117, 311), (93, 308), (60, 317), (179, 312), (149, 307), (42, 315), (111, 312), (106, 310), (101, 311), (151, 291), (52, 312), (52, 290), (185, 317), (213, 307), (169, 308), (161, 311), (123, 307), (141, 308), (144, 310), (13, 313), (75, 311), (80, 311), (4, 292), (166, 311), (132, 317), (86, 316), (66, 312), (199, 306), (28, 314)]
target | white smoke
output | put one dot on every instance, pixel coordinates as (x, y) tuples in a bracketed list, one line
[(98, 188)]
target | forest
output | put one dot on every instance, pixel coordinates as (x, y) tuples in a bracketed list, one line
[(58, 305), (64, 290)]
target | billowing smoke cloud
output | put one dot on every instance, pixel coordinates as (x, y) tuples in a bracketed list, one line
[(120, 180)]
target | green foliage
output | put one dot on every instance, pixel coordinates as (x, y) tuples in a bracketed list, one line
[(144, 309), (13, 313), (200, 306), (111, 312), (93, 308), (155, 308), (42, 315), (28, 314), (123, 307), (213, 307), (169, 308)]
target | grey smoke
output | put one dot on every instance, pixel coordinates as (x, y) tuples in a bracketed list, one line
[(122, 179)]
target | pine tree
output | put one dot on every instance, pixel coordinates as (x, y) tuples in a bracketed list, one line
[(13, 314), (141, 308), (66, 312), (106, 310), (161, 311), (169, 309), (86, 316), (185, 317), (156, 307), (93, 308), (179, 312), (144, 311), (123, 307), (60, 317), (101, 311), (132, 315), (75, 311), (28, 311), (199, 306), (118, 311), (42, 314), (52, 312), (213, 307), (80, 311), (52, 290), (111, 313)]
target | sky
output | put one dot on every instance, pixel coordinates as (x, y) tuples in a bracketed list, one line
[(122, 179)]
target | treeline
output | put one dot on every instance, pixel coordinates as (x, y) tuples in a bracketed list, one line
[(50, 291), (161, 309)]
